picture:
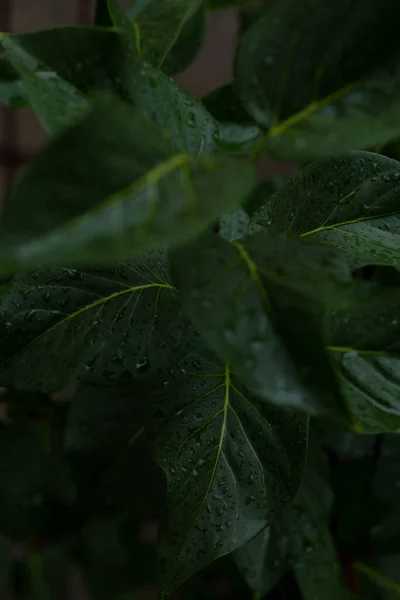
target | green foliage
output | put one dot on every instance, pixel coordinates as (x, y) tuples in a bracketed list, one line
[(222, 342)]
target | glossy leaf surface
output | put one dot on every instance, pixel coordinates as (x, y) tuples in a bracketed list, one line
[(299, 540), (155, 25), (351, 203), (258, 304), (167, 34), (231, 461), (120, 190), (60, 84), (344, 98), (101, 323), (364, 345)]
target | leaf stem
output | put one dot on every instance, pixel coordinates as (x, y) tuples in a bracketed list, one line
[(378, 578)]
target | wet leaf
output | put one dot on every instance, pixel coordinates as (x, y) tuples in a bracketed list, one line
[(185, 122), (264, 560), (166, 34), (231, 461), (119, 190), (235, 225), (351, 203), (258, 304), (365, 353), (317, 97), (155, 25), (60, 84), (238, 133), (101, 323), (11, 92)]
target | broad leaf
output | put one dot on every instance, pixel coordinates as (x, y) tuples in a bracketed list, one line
[(231, 461), (352, 203), (318, 97), (11, 92), (60, 84), (238, 133), (119, 190), (258, 304), (299, 539), (102, 323), (189, 42), (166, 34), (365, 353)]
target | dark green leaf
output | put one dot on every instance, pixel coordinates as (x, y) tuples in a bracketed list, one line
[(231, 462), (352, 203), (258, 305), (60, 83), (119, 191), (264, 560), (5, 569), (102, 323), (324, 84), (301, 538), (189, 42), (59, 68), (184, 120), (155, 25), (259, 198), (237, 132), (11, 93), (365, 353)]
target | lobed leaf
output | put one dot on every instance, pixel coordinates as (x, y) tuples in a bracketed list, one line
[(344, 98), (231, 461)]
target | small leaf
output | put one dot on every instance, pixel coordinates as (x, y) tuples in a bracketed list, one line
[(351, 203), (258, 304), (102, 14), (11, 92), (101, 323), (365, 352), (346, 97), (120, 191), (231, 462), (235, 225), (238, 133), (155, 25)]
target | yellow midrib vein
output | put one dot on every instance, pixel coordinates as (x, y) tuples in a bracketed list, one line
[(98, 303)]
